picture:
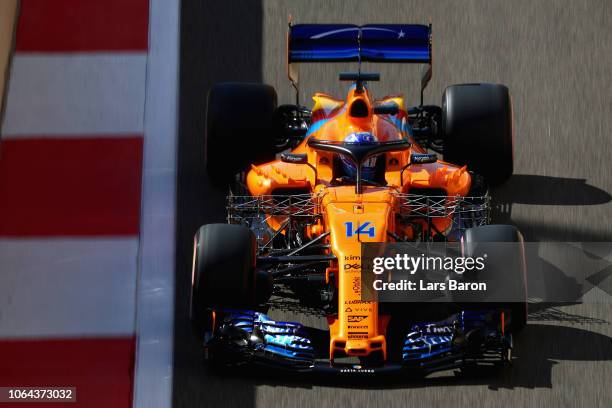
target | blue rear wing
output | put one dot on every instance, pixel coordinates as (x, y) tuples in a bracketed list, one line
[(408, 43)]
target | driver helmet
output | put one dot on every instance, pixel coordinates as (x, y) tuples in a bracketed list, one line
[(368, 168)]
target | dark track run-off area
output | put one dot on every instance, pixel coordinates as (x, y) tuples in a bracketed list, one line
[(556, 58)]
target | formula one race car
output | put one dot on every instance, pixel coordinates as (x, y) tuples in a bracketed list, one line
[(309, 187)]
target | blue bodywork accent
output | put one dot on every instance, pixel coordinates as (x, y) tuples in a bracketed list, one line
[(372, 42), (287, 340), (319, 123), (404, 127), (323, 42), (427, 340), (395, 43), (316, 126)]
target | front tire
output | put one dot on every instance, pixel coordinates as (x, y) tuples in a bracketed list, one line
[(223, 273), (510, 272)]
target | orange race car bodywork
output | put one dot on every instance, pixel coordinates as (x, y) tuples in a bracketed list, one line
[(351, 217)]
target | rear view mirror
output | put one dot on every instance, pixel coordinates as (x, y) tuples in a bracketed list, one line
[(387, 109), (298, 158), (422, 158), (294, 158)]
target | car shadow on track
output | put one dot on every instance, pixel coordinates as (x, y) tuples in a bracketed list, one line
[(524, 189), (545, 190), (551, 277)]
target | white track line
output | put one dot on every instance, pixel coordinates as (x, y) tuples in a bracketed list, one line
[(155, 298), (67, 287), (75, 94)]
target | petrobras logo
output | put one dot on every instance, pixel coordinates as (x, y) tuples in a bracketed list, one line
[(357, 370)]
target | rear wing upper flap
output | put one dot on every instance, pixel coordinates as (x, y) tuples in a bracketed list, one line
[(406, 43), (409, 43)]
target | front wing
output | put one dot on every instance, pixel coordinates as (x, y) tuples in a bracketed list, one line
[(468, 338)]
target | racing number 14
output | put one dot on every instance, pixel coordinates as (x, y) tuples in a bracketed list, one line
[(361, 229)]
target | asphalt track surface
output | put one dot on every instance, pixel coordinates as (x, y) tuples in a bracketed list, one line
[(556, 58)]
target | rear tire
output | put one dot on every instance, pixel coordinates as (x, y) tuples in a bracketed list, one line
[(223, 274), (478, 130), (239, 128), (482, 240)]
